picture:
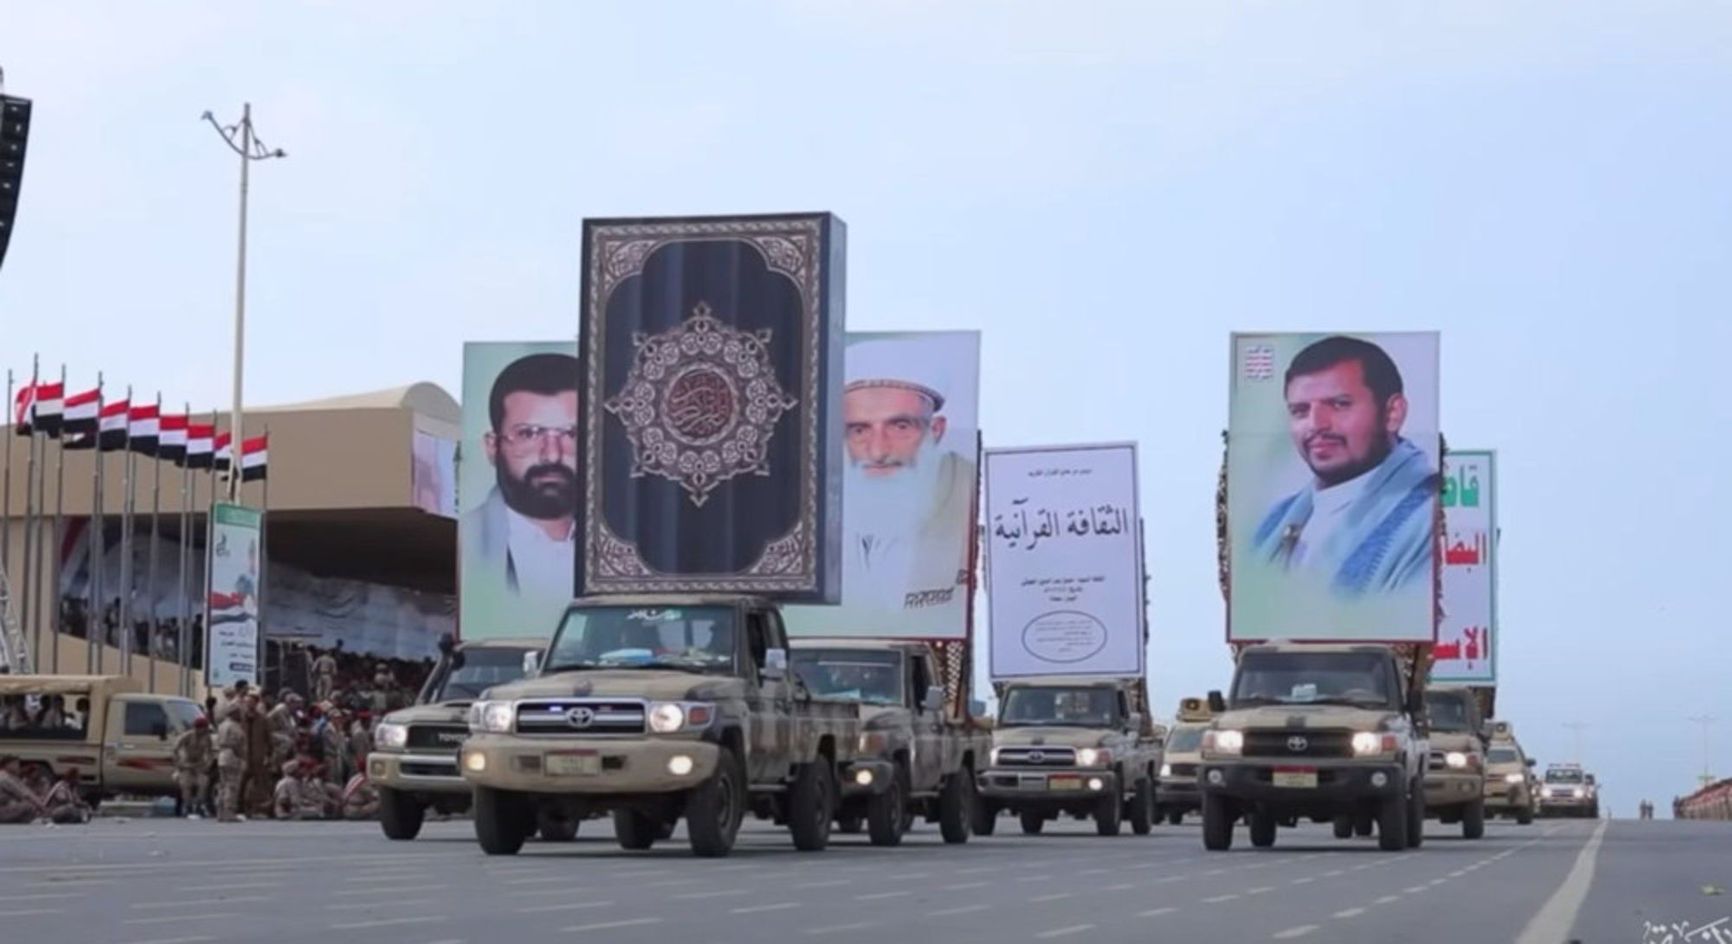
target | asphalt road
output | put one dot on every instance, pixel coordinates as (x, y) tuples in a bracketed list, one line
[(176, 882)]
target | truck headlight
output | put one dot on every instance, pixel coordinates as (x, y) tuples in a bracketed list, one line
[(1094, 757), (1225, 741), (1455, 759), (391, 736), (1512, 778), (490, 717), (666, 717), (1580, 793), (1166, 770)]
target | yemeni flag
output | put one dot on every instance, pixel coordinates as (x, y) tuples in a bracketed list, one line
[(253, 459), (172, 442), (37, 408), (82, 413), (145, 425), (200, 443), (112, 425), (220, 452)]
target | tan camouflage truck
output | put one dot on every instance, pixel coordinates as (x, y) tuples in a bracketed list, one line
[(1325, 732), (933, 756), (414, 759), (656, 708), (119, 738), (1176, 794), (1074, 747), (1455, 777), (1508, 777)]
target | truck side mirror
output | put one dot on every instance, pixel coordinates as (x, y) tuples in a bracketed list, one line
[(1134, 721), (531, 662), (775, 664), (1532, 762), (1217, 704), (457, 660), (934, 699), (976, 707)]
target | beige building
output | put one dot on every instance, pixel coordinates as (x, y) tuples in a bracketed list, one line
[(361, 489)]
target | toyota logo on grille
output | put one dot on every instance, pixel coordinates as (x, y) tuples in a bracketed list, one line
[(1297, 744), (580, 717), (1036, 757)]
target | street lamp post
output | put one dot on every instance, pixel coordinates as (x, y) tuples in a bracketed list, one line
[(1706, 721), (244, 141)]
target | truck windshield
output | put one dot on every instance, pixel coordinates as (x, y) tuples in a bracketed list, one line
[(1447, 712), (693, 639), (183, 712), (1071, 707), (1503, 755), (482, 669), (1564, 775), (1185, 740), (853, 674), (1301, 678)]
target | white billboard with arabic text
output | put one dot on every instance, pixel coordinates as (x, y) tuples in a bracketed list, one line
[(1064, 567), (1466, 651)]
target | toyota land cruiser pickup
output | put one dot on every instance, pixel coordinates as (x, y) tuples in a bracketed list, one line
[(1455, 775)]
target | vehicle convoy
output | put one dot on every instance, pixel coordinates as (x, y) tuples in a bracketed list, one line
[(118, 738), (1455, 779), (414, 758), (1568, 790), (1071, 746), (1508, 777), (1176, 794), (932, 756), (653, 708), (1326, 732)]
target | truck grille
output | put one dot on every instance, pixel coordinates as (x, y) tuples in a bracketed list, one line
[(1036, 757), (580, 717), (1184, 770), (1298, 743), (436, 737)]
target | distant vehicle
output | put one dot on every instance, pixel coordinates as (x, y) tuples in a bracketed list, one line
[(1568, 790), (1509, 778), (118, 738), (1176, 794), (1455, 778)]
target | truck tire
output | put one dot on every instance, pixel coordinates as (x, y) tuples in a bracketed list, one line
[(634, 831), (1364, 826), (1344, 827), (1393, 815), (1143, 813), (1032, 823), (1217, 824), (1525, 816), (985, 817), (884, 811), (499, 821), (400, 816), (1175, 817), (1416, 816), (1109, 814), (1473, 820), (811, 805), (556, 827), (956, 807), (1262, 830), (716, 807)]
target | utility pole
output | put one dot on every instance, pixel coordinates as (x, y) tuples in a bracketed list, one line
[(1707, 722), (241, 139), (1577, 727)]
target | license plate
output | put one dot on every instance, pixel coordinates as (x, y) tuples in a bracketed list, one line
[(1064, 783), (570, 765), (1302, 777)]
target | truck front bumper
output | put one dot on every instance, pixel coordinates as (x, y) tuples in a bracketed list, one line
[(1062, 784), (1452, 789), (877, 774), (587, 766), (1336, 783), (1500, 795), (1178, 793), (416, 773)]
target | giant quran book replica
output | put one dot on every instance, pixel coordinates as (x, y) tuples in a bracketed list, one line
[(710, 354)]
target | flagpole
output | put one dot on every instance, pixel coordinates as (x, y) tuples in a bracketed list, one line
[(264, 540), (6, 534), (30, 511), (150, 572), (94, 637), (59, 541), (128, 479), (183, 646), (39, 570), (209, 545)]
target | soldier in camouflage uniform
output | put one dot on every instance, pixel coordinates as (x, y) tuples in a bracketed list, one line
[(231, 745), (18, 803), (192, 757)]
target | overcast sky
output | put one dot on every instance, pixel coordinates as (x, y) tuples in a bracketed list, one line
[(1104, 189)]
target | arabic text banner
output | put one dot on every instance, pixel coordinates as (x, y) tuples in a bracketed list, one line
[(1064, 568), (1466, 651), (232, 646), (1333, 487)]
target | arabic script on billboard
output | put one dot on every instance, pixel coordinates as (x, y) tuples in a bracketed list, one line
[(1466, 641), (233, 602)]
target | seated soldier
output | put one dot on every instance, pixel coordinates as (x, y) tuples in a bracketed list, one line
[(320, 800), (360, 797), (64, 804), (18, 803), (288, 801)]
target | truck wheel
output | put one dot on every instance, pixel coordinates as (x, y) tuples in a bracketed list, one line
[(556, 827), (1343, 827), (715, 808), (1143, 814), (811, 806), (1525, 816), (884, 811), (956, 806), (499, 825), (985, 817), (1175, 817), (1364, 826), (1392, 819), (1473, 820), (1416, 816), (1262, 830), (1217, 824), (1032, 823), (400, 816), (848, 823), (634, 831), (1109, 813)]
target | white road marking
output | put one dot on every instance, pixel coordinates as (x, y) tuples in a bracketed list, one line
[(838, 928), (4, 898), (965, 909), (1035, 878), (382, 878), (965, 886), (727, 893), (1117, 888), (1057, 896), (979, 870), (1259, 891), (1333, 873), (248, 887), (540, 881), (31, 911), (1458, 873), (670, 883), (1171, 878), (1215, 872), (877, 896), (1558, 915), (1414, 889), (387, 922), (361, 905), (62, 882), (276, 865), (1065, 932), (754, 909), (1306, 880), (175, 940), (1386, 899), (1291, 933), (1155, 912), (1348, 913), (606, 925), (165, 919), (1218, 899), (1437, 881), (1094, 871), (830, 884), (351, 893), (571, 906)]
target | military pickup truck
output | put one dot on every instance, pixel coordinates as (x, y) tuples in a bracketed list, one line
[(118, 738), (1176, 794), (1070, 746), (1509, 778), (933, 756), (1455, 775), (1326, 732), (414, 759), (1568, 790), (656, 708)]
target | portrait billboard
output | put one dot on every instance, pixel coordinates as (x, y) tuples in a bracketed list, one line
[(1064, 561), (1333, 487), (911, 457), (1466, 651), (232, 604), (433, 475), (710, 353), (517, 488)]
